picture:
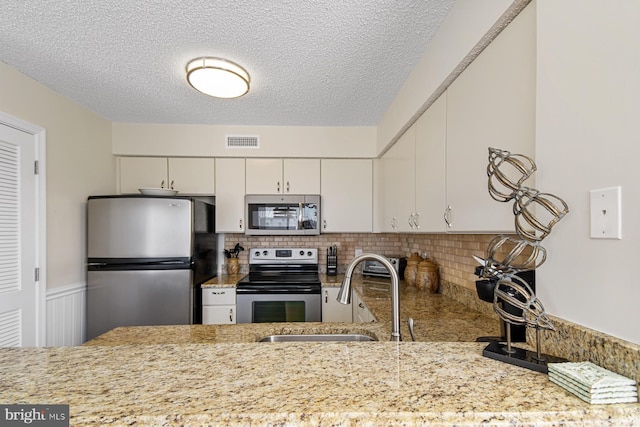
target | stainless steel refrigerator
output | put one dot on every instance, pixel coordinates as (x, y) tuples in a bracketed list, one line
[(147, 257)]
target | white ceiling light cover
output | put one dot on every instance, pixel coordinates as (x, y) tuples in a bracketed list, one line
[(218, 77)]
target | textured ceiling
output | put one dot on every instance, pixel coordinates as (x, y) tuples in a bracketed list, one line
[(312, 63)]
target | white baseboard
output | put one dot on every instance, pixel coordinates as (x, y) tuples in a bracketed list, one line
[(66, 315)]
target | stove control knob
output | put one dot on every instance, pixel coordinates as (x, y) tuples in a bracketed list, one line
[(309, 253), (257, 253), (301, 253), (265, 253)]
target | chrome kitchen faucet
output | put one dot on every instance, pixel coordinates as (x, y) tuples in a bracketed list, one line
[(344, 296)]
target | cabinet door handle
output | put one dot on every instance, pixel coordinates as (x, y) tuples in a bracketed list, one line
[(240, 224), (326, 297), (416, 220), (393, 223), (361, 305), (171, 186), (278, 187), (162, 184), (447, 216), (231, 315), (288, 187)]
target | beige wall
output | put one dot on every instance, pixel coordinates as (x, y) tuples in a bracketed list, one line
[(78, 163), (466, 24), (588, 138), (275, 141)]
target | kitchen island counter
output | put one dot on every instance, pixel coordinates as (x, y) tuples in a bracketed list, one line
[(220, 375), (376, 383)]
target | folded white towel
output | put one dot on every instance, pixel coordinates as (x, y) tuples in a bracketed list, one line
[(592, 383)]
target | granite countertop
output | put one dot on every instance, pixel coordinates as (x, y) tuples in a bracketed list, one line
[(294, 383), (218, 374)]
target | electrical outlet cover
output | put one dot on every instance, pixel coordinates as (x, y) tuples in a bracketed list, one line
[(606, 213)]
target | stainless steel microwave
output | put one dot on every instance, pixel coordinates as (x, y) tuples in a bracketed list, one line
[(282, 214)]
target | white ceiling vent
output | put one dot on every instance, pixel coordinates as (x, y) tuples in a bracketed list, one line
[(242, 141)]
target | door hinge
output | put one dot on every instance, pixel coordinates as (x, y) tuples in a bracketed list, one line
[(36, 167), (37, 274)]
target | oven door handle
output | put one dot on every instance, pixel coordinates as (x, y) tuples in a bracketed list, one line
[(279, 290)]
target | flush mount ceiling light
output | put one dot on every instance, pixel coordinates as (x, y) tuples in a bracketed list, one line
[(218, 77)]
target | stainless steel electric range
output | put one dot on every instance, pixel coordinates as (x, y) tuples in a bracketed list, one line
[(283, 285)]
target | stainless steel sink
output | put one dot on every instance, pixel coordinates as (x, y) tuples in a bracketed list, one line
[(317, 338)]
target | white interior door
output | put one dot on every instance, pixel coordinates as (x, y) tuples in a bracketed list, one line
[(18, 228)]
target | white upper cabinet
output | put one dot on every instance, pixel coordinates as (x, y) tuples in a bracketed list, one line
[(283, 176), (347, 195), (192, 175), (230, 184), (264, 176), (413, 184), (142, 172), (187, 175), (301, 176), (430, 161), (398, 183), (491, 104)]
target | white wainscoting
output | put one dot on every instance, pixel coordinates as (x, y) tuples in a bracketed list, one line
[(66, 315)]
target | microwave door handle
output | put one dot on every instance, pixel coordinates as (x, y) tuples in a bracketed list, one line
[(300, 216)]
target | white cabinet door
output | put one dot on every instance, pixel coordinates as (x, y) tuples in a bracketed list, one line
[(283, 176), (387, 211), (229, 179), (192, 175), (430, 155), (404, 177), (361, 313), (264, 176), (301, 176), (491, 104), (142, 172), (347, 195), (332, 310), (219, 315), (187, 175), (398, 183)]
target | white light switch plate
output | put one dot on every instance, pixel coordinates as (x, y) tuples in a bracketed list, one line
[(606, 213)]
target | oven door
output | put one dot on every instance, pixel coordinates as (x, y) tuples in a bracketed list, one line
[(278, 307)]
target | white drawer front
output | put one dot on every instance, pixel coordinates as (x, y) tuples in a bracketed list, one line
[(218, 296), (219, 315)]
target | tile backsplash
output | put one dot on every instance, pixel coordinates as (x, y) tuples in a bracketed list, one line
[(452, 252)]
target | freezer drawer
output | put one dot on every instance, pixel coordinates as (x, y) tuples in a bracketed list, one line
[(138, 298)]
